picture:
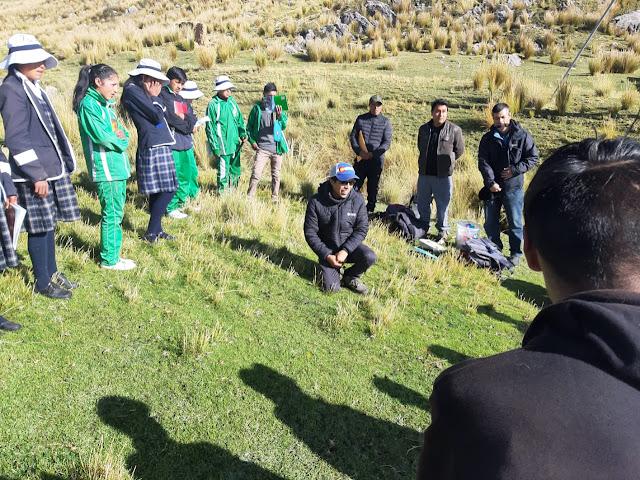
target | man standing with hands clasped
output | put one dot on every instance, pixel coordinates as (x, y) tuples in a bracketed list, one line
[(506, 153), (371, 130), (335, 226)]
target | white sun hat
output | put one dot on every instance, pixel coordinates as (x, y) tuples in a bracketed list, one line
[(223, 83), (24, 48), (146, 66), (190, 91)]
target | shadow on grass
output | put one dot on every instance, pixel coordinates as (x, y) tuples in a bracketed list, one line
[(281, 256), (404, 394), (490, 311), (352, 442), (529, 292), (78, 243), (447, 354), (158, 457)]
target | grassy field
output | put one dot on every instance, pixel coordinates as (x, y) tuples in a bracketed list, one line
[(218, 357)]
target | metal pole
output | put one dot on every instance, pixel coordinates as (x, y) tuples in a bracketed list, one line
[(583, 47)]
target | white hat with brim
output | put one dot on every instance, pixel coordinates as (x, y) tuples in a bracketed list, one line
[(24, 48), (223, 83), (149, 67), (190, 91)]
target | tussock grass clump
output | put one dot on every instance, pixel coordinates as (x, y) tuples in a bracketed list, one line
[(260, 57), (309, 107), (478, 78), (424, 19), (629, 97), (389, 64), (413, 42), (197, 339), (614, 61), (515, 95), (608, 128), (101, 465), (563, 97), (275, 49), (603, 85), (498, 73), (206, 57), (634, 43), (440, 37), (227, 49), (526, 47), (289, 26), (554, 55)]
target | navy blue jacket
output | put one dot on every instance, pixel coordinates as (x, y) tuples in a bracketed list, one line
[(148, 117), (376, 131), (5, 177), (33, 153), (562, 407), (182, 129), (520, 154), (332, 225)]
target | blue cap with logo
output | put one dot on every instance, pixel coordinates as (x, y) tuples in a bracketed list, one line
[(343, 172)]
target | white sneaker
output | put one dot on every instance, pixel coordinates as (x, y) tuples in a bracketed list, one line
[(177, 214), (120, 266), (127, 261)]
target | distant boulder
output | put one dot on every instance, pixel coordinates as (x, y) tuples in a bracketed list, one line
[(348, 18), (629, 22), (375, 6), (337, 30), (502, 13), (131, 10), (513, 60)]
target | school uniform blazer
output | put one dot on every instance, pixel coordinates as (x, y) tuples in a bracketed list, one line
[(5, 178), (148, 117), (34, 155), (181, 128)]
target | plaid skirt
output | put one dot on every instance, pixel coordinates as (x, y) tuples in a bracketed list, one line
[(156, 170), (8, 257), (42, 213)]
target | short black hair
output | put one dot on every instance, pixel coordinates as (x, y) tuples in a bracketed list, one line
[(439, 102), (498, 107), (582, 213), (270, 87), (176, 73)]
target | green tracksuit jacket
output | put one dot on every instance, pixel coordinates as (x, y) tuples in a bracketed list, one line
[(226, 126), (105, 153), (253, 125)]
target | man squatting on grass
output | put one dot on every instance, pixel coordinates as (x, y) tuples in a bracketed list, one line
[(376, 132), (440, 144), (335, 226), (506, 152), (565, 405)]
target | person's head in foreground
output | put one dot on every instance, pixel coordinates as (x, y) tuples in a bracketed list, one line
[(375, 105), (342, 179), (439, 112), (501, 114), (582, 218)]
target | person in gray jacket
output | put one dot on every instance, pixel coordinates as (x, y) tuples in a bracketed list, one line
[(335, 226), (376, 133), (440, 144)]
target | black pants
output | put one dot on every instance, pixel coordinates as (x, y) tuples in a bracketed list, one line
[(362, 258), (371, 170)]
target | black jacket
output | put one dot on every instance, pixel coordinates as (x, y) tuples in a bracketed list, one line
[(450, 148), (332, 225), (564, 406), (521, 155), (148, 117), (33, 153), (5, 178), (181, 128), (376, 131)]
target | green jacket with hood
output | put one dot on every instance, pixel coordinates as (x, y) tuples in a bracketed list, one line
[(253, 126), (226, 126), (105, 153)]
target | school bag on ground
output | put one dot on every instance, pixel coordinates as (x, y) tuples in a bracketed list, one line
[(402, 219), (485, 254)]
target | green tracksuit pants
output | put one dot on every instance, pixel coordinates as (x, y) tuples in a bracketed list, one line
[(228, 171), (112, 197), (187, 172)]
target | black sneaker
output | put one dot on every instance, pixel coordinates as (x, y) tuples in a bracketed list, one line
[(150, 237), (53, 290), (62, 280), (355, 285), (8, 325), (166, 236)]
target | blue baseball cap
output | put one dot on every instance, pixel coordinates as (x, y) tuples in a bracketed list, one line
[(343, 172)]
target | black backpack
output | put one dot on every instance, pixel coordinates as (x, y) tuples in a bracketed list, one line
[(485, 254), (402, 219)]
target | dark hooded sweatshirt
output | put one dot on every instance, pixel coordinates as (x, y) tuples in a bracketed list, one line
[(331, 225), (564, 406)]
